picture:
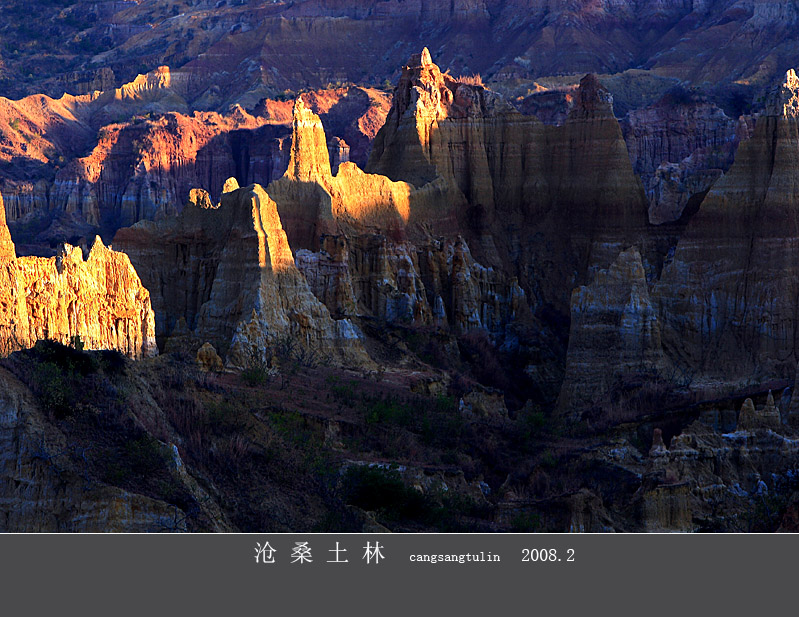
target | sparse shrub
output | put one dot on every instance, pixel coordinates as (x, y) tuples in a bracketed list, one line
[(224, 417), (58, 376), (255, 374), (54, 390), (286, 95), (65, 357), (345, 393), (548, 459), (179, 372), (382, 491), (145, 455), (112, 361), (525, 522), (287, 350), (389, 411), (679, 95), (530, 423), (291, 425), (485, 360)]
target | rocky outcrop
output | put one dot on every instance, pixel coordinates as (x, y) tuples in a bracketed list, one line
[(523, 193), (208, 359), (768, 417), (706, 479), (679, 147), (312, 201), (134, 169), (462, 135), (84, 82), (143, 169), (432, 282), (43, 490), (309, 44), (698, 479), (592, 190), (484, 404), (727, 300), (100, 300), (614, 337), (7, 251), (353, 116), (551, 106), (146, 150), (229, 274)]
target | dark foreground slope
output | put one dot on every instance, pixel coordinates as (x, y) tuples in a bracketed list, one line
[(90, 441)]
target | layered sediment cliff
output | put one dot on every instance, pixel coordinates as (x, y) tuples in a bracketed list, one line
[(85, 164), (100, 300), (228, 274), (523, 194), (366, 252), (727, 300), (680, 146), (614, 336), (44, 489)]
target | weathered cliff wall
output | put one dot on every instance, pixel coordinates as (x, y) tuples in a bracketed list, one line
[(727, 300), (100, 299), (229, 274)]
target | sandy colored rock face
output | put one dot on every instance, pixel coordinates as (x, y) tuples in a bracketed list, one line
[(312, 201), (208, 359), (7, 251), (151, 149), (767, 417), (101, 300), (432, 282), (229, 274), (521, 193)]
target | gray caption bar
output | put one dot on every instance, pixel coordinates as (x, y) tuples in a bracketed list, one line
[(349, 573)]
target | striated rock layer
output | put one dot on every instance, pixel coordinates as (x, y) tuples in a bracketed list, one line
[(228, 275), (82, 164), (7, 251), (360, 247), (476, 217), (101, 300), (312, 201), (42, 490), (615, 333), (680, 146), (432, 282), (728, 298), (548, 202)]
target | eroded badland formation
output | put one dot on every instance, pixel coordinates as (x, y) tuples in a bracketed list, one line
[(546, 303)]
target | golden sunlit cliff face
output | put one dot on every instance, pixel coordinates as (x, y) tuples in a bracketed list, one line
[(365, 243), (401, 250), (312, 201), (227, 275), (7, 251), (80, 165), (100, 300)]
